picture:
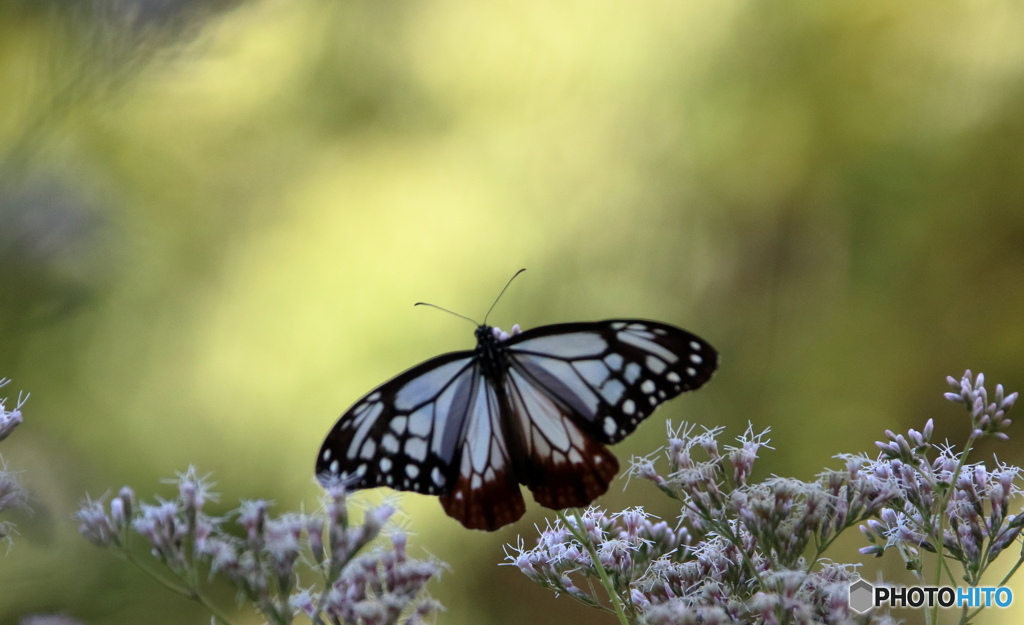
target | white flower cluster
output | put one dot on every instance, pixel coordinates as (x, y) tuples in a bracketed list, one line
[(270, 556), (753, 552)]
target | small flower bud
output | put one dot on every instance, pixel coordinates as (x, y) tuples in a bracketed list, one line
[(127, 497), (117, 516), (1007, 403)]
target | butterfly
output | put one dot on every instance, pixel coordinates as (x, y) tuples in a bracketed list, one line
[(534, 407)]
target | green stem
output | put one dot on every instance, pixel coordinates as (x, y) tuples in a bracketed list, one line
[(578, 532), (1007, 577), (968, 617), (932, 615), (184, 591)]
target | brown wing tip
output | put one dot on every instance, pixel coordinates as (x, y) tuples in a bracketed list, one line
[(488, 508), (475, 514), (574, 485)]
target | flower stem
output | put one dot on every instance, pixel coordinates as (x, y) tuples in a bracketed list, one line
[(191, 593), (578, 532), (932, 615)]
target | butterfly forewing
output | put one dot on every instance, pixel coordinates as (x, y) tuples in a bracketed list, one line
[(612, 374), (406, 433)]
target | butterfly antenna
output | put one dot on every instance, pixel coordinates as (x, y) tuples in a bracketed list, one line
[(502, 293), (447, 311)]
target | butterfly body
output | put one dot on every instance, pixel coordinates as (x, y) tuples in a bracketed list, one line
[(535, 408), (490, 352)]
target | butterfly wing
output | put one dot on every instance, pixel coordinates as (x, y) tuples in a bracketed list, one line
[(611, 375), (574, 387), (485, 494), (562, 465), (444, 428), (434, 429), (405, 433)]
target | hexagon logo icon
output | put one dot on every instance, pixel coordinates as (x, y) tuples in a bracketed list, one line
[(860, 596)]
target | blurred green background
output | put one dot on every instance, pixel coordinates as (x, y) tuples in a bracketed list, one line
[(215, 219)]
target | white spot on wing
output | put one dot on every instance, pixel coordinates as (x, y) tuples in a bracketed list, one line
[(385, 464), (614, 361), (412, 471), (647, 387), (673, 377), (632, 372), (628, 407), (612, 391), (368, 450), (655, 364), (437, 477), (695, 359), (398, 424), (609, 426), (419, 421), (416, 448), (390, 443)]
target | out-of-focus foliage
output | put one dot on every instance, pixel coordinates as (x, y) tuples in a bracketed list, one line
[(215, 219)]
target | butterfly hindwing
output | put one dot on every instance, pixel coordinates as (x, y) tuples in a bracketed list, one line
[(485, 494), (612, 374), (561, 465)]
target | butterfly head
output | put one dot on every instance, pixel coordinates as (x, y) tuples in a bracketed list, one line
[(494, 334), (490, 348)]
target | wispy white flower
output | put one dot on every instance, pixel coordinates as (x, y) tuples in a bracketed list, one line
[(753, 552)]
